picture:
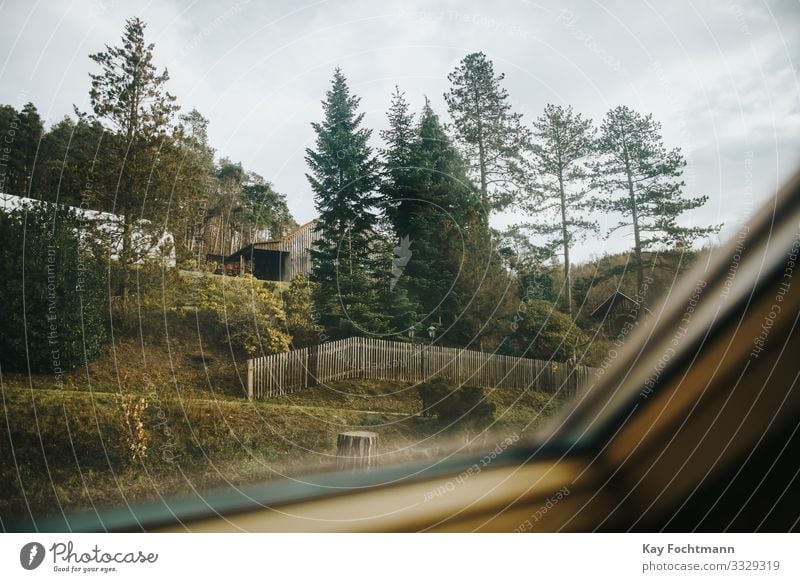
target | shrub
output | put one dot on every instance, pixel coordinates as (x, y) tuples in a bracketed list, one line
[(245, 310), (134, 434), (51, 290), (465, 402), (300, 313), (544, 333)]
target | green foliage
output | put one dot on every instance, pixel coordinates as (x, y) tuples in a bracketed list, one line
[(438, 220), (542, 332), (343, 174), (540, 286), (53, 307), (463, 403), (398, 186), (129, 92), (69, 153), (641, 180), (563, 142), (452, 272), (491, 135), (20, 132), (248, 312), (265, 209), (299, 309)]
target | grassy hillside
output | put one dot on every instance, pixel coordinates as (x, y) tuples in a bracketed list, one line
[(68, 449), (65, 443)]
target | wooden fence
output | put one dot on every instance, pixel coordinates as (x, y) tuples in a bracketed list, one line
[(377, 359)]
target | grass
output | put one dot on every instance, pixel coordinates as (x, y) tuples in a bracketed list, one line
[(68, 449), (65, 446)]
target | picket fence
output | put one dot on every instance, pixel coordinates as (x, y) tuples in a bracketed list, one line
[(376, 359)]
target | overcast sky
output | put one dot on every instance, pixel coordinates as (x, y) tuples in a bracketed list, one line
[(720, 76)]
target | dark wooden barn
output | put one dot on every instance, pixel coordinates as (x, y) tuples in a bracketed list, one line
[(617, 310), (279, 259)]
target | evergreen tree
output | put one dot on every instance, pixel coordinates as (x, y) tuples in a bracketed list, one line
[(397, 184), (642, 182), (491, 135), (454, 272), (436, 219), (392, 254), (194, 186), (399, 193), (65, 167), (344, 177), (129, 96), (53, 290), (265, 209), (20, 133), (561, 146)]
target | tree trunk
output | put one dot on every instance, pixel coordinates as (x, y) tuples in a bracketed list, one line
[(565, 235), (481, 154), (356, 450), (637, 244), (125, 261)]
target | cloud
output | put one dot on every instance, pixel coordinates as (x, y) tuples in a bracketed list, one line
[(720, 76)]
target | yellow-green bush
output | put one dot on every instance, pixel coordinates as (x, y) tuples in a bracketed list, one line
[(245, 310)]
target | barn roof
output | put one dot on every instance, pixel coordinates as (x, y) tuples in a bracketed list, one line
[(613, 300), (277, 244), (269, 244)]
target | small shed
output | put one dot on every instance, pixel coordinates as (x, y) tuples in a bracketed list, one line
[(280, 259), (617, 309)]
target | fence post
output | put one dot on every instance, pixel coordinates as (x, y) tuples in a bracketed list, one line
[(249, 379)]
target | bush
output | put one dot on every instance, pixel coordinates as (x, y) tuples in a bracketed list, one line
[(300, 313), (466, 402), (243, 309), (542, 332), (51, 290)]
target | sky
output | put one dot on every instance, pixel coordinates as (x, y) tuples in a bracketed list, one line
[(721, 77)]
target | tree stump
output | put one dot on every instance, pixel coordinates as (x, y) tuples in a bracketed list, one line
[(356, 450)]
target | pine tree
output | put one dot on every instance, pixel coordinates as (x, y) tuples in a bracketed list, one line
[(454, 272), (344, 177), (397, 184), (642, 181), (129, 96), (195, 186), (562, 143), (266, 210), (20, 134), (398, 194), (69, 155), (491, 135), (129, 92)]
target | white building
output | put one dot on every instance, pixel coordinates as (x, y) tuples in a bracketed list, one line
[(108, 229)]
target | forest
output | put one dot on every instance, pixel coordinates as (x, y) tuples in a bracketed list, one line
[(407, 243), (125, 349)]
